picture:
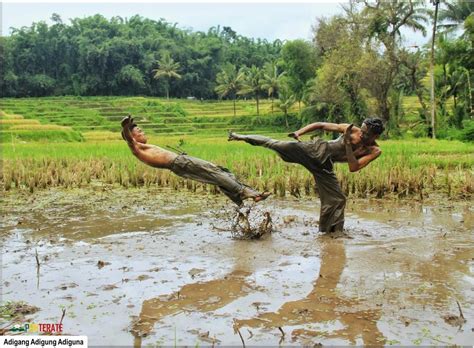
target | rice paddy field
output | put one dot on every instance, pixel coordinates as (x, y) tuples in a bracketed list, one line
[(73, 142), (129, 255), (155, 115)]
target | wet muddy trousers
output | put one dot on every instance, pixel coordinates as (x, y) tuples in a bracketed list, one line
[(206, 172), (314, 156)]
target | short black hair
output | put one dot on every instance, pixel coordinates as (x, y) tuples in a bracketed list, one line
[(375, 125)]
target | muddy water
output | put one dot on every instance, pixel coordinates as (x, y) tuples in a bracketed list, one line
[(169, 276)]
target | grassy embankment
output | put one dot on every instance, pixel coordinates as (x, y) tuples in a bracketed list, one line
[(406, 168)]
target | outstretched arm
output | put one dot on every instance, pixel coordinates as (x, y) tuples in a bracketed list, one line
[(127, 134), (135, 146), (149, 154), (326, 126)]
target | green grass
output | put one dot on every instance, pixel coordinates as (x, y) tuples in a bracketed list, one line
[(156, 115), (40, 135), (73, 141), (406, 168), (14, 128)]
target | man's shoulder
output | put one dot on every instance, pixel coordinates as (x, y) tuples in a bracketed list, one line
[(343, 126)]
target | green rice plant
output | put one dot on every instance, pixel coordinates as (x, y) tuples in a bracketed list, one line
[(40, 127), (407, 168), (48, 135), (34, 174)]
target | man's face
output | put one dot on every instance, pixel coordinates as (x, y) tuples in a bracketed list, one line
[(356, 136), (139, 135)]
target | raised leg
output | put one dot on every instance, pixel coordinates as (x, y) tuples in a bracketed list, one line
[(209, 173), (289, 151)]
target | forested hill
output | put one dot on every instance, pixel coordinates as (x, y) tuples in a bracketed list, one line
[(97, 56)]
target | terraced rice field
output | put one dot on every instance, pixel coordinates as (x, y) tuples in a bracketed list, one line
[(158, 116), (73, 141)]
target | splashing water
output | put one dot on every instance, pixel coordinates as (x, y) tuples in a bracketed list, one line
[(247, 222)]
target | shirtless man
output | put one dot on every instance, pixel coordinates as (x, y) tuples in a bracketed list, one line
[(186, 166), (356, 146)]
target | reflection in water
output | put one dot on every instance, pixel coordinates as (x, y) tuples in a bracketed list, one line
[(409, 263), (202, 297), (440, 275), (324, 304)]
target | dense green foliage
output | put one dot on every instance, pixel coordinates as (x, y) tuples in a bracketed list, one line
[(96, 56), (366, 69), (357, 65)]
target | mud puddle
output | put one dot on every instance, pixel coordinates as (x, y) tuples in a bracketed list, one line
[(141, 267)]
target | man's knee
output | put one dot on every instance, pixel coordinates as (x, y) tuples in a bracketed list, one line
[(342, 199), (338, 200)]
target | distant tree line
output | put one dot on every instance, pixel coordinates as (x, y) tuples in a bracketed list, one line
[(96, 56), (356, 65)]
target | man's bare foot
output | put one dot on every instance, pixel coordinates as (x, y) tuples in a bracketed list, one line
[(233, 136), (261, 197)]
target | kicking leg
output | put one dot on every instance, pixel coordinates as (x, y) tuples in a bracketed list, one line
[(256, 140), (227, 186), (289, 151), (249, 192), (209, 173)]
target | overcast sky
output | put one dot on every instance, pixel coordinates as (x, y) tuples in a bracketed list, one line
[(284, 21)]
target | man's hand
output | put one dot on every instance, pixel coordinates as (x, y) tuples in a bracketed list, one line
[(347, 134), (294, 135), (127, 121)]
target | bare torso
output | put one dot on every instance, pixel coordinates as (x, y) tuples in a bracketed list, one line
[(155, 156)]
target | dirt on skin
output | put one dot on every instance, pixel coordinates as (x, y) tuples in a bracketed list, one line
[(140, 267)]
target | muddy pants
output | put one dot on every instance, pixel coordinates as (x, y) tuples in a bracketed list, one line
[(315, 156), (197, 169)]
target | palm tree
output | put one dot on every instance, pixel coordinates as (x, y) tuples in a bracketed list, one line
[(454, 15), (385, 20), (229, 82), (388, 17), (457, 83), (167, 69), (253, 83), (285, 101), (272, 80)]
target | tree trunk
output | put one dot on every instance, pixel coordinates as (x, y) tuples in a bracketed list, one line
[(433, 106), (471, 110), (167, 88), (384, 109), (424, 109), (256, 97), (286, 119), (272, 104), (234, 105)]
